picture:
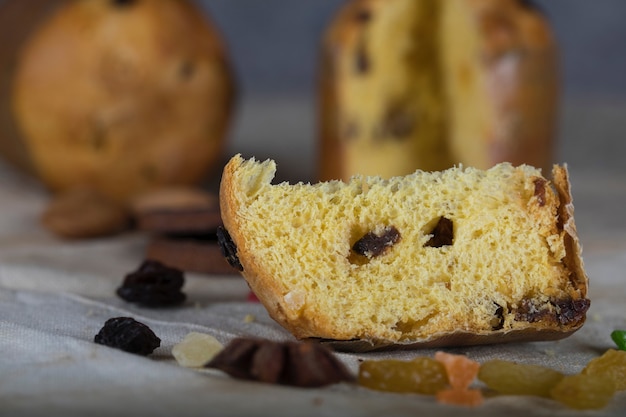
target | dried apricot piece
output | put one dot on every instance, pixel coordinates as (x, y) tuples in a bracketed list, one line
[(512, 378), (584, 391), (454, 396), (421, 375), (611, 365), (461, 370)]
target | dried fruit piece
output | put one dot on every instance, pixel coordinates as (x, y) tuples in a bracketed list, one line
[(461, 372), (619, 337), (461, 369), (611, 365), (466, 397), (421, 375), (129, 335), (518, 379), (228, 247), (196, 349), (584, 391), (299, 364), (376, 243), (153, 285), (443, 234)]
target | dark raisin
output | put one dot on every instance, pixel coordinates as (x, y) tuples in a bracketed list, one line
[(361, 58), (287, 363), (363, 16), (531, 311), (540, 191), (186, 70), (129, 335), (497, 322), (571, 311), (398, 122), (373, 244), (228, 247), (123, 3), (153, 285), (443, 234)]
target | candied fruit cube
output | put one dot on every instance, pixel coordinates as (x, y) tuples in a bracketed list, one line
[(466, 397), (512, 378), (461, 370), (196, 349)]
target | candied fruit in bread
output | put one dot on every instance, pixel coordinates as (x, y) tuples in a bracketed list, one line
[(512, 378), (503, 266), (421, 375)]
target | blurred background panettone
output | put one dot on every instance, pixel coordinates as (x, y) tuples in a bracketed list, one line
[(123, 96), (428, 84)]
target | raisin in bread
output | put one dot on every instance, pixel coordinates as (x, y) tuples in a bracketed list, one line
[(407, 84), (461, 256)]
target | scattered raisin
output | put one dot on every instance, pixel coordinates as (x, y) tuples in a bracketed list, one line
[(298, 364), (153, 285), (540, 191), (129, 335), (375, 244), (228, 247), (512, 378), (611, 365), (421, 375), (584, 392), (443, 234)]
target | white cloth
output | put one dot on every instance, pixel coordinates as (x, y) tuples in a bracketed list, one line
[(56, 295)]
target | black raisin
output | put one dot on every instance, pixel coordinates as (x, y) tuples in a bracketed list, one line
[(540, 191), (129, 335), (373, 244), (497, 322), (443, 234), (153, 285), (363, 16), (122, 3), (398, 121), (228, 247), (570, 311)]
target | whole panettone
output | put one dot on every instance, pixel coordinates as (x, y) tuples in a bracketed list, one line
[(408, 84), (120, 96)]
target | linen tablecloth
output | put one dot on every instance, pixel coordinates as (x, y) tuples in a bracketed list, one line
[(55, 295)]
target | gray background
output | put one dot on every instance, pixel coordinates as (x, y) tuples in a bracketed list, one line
[(274, 42)]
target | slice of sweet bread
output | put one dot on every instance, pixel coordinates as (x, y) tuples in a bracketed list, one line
[(462, 256)]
